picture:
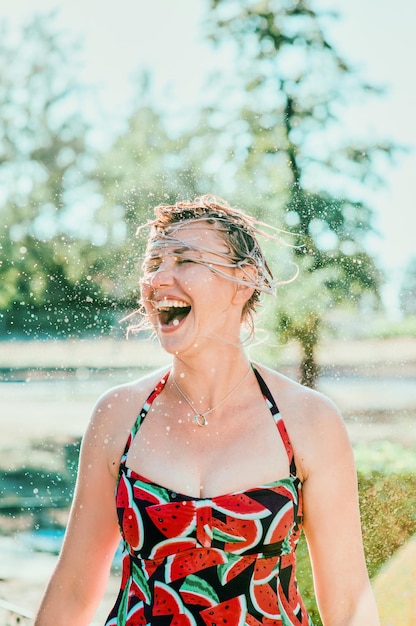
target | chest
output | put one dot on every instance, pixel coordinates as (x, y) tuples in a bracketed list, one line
[(158, 522), (239, 449)]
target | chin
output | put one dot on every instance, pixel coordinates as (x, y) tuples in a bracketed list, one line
[(178, 348)]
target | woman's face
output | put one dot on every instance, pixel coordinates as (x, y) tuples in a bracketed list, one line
[(187, 301)]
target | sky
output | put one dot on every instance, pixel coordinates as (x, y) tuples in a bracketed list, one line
[(166, 36)]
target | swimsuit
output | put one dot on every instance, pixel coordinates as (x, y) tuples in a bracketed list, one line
[(228, 560)]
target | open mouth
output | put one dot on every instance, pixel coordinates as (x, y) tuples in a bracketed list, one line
[(172, 312)]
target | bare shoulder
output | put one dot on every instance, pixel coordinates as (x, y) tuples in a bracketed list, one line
[(297, 401), (119, 406), (126, 398), (115, 413), (314, 422)]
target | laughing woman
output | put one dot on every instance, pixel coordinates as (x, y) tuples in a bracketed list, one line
[(210, 470)]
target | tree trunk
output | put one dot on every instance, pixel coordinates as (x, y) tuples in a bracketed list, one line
[(308, 336)]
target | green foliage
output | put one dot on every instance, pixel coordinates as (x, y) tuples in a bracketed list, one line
[(387, 488), (53, 287), (383, 329), (388, 518), (144, 167), (267, 144), (295, 86), (408, 289), (43, 155), (385, 457), (305, 579), (46, 255), (51, 295), (387, 493), (388, 514), (298, 314), (68, 255)]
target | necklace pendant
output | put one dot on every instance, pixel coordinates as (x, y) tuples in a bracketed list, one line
[(200, 419)]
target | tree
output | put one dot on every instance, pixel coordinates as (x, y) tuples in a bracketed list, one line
[(147, 164), (47, 230), (408, 289), (68, 214), (287, 132)]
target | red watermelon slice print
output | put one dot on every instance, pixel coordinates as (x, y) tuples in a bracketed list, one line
[(281, 525), (265, 569), (166, 601), (191, 562), (252, 621), (234, 566), (250, 529), (265, 600), (240, 505), (288, 607), (170, 547), (132, 525), (184, 619), (136, 617), (196, 590), (174, 519), (285, 488), (149, 492), (231, 612)]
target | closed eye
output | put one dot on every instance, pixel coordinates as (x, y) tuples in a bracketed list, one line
[(152, 266), (182, 260)]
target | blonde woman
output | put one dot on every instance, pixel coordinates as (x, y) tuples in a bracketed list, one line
[(210, 470)]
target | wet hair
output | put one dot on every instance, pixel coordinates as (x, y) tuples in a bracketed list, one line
[(239, 231)]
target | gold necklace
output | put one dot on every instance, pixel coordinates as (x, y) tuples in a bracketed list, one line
[(200, 418)]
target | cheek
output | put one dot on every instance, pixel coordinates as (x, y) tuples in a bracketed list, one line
[(201, 286), (146, 292)]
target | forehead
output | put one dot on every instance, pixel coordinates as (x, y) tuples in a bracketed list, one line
[(201, 236)]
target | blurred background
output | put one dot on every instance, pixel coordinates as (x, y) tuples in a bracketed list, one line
[(298, 111)]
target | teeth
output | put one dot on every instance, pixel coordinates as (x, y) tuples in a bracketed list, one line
[(165, 305)]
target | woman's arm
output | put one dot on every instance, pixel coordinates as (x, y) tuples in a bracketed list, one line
[(92, 534), (332, 524)]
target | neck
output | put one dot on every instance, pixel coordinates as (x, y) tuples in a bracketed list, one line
[(207, 379)]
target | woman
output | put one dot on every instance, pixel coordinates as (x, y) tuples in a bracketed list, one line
[(225, 460)]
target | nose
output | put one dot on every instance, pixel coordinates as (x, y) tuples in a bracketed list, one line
[(163, 276)]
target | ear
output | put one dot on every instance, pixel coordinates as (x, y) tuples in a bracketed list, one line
[(244, 289)]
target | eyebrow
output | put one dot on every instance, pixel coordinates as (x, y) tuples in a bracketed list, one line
[(183, 249), (179, 250), (156, 254)]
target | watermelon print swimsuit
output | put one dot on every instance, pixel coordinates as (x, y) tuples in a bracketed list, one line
[(228, 560)]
